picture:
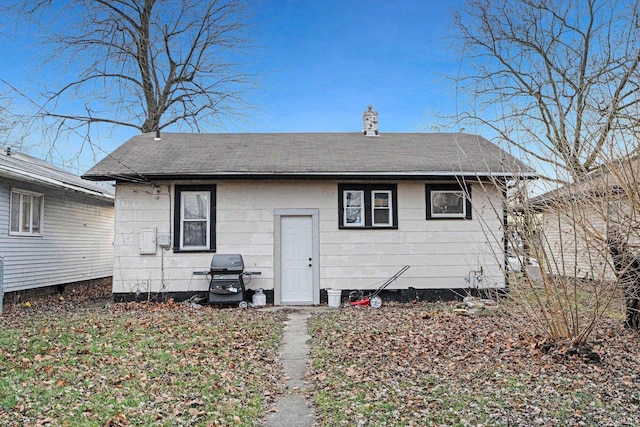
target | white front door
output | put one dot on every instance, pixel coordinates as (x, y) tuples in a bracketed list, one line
[(297, 261)]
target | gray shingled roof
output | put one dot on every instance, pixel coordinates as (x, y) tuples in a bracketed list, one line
[(22, 167), (179, 155)]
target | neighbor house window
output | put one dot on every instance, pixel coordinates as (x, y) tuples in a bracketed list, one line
[(367, 206), (448, 201), (26, 213), (194, 220)]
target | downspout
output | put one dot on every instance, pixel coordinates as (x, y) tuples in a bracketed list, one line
[(164, 239), (163, 288)]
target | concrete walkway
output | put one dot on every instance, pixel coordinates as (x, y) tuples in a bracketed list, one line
[(291, 409)]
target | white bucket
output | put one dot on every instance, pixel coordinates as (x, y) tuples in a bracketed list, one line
[(334, 297), (259, 299)]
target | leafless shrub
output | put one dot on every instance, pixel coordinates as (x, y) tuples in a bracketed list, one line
[(557, 82)]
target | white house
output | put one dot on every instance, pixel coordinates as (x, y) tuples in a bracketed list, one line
[(310, 212), (573, 221), (56, 228)]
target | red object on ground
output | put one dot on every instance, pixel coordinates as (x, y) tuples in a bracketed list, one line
[(364, 301)]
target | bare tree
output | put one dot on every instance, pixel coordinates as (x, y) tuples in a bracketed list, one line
[(143, 64), (11, 132), (3, 120), (556, 79)]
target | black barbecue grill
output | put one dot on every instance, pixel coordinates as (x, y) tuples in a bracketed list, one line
[(226, 285), (226, 279)]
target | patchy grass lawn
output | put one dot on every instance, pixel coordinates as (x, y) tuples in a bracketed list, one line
[(65, 363), (137, 365), (420, 365)]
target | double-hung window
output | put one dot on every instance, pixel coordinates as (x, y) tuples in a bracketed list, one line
[(367, 206), (448, 201), (382, 215), (194, 218), (27, 212)]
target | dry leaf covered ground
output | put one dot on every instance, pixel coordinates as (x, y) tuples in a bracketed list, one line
[(82, 362), (420, 365)]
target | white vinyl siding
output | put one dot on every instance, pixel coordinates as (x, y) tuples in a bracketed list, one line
[(440, 253), (567, 236), (76, 241)]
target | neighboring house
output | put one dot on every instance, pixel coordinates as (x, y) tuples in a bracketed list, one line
[(310, 211), (57, 228), (572, 222)]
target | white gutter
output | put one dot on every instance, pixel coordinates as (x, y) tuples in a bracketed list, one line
[(367, 174), (21, 174), (214, 174)]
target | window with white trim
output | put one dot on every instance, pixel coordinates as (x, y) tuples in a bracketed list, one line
[(194, 219), (367, 206), (353, 208), (448, 201), (27, 213), (382, 213)]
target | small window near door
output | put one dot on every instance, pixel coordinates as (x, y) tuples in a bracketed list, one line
[(448, 201), (382, 214), (367, 206), (26, 213), (194, 220), (353, 208)]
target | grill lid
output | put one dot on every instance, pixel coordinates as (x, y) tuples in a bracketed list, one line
[(231, 263)]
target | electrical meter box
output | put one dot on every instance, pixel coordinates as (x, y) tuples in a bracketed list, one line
[(164, 240), (148, 241)]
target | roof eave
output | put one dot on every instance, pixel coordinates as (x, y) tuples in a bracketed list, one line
[(409, 175), (30, 177)]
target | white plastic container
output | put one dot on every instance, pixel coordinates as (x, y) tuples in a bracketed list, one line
[(259, 299), (334, 297)]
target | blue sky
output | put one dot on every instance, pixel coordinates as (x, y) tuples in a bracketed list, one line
[(330, 59), (318, 65)]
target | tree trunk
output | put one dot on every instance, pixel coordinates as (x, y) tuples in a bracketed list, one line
[(632, 299), (627, 267)]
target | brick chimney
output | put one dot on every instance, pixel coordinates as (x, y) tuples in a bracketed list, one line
[(370, 122)]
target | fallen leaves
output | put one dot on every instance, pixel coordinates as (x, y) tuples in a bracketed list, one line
[(118, 420), (421, 365), (137, 364), (412, 364)]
